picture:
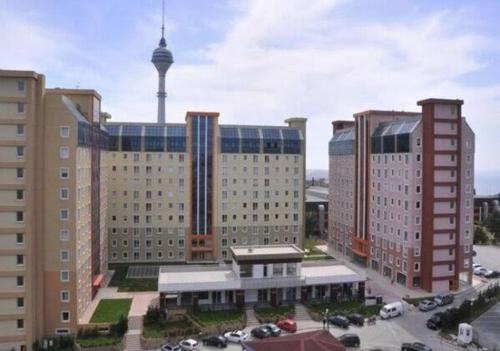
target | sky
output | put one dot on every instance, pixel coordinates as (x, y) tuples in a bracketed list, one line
[(262, 61)]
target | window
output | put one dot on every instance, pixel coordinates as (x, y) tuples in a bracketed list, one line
[(20, 324), (64, 235), (20, 173), (20, 302), (64, 132), (63, 152), (64, 296), (64, 172), (20, 281), (64, 193), (64, 214), (20, 260), (19, 238), (20, 216), (64, 276), (20, 129), (416, 267), (20, 151), (65, 316), (20, 194), (20, 107), (64, 255), (20, 85)]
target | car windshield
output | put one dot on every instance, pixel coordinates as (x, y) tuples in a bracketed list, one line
[(385, 310)]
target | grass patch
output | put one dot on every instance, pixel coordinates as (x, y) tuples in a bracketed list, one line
[(102, 340), (124, 284), (110, 310), (216, 317), (317, 258), (271, 314), (162, 329), (344, 308)]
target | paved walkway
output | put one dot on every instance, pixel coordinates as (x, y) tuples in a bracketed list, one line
[(301, 313), (133, 336), (251, 319)]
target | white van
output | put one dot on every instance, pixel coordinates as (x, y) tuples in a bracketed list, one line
[(391, 310)]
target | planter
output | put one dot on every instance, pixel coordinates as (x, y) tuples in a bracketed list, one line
[(118, 347)]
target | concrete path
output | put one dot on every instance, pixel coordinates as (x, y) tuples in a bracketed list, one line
[(301, 313), (133, 336), (251, 319)]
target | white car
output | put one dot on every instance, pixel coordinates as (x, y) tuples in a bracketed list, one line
[(480, 271), (189, 345), (170, 347), (476, 265), (236, 336)]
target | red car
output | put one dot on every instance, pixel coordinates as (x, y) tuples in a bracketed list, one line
[(287, 325)]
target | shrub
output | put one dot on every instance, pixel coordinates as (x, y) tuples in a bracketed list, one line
[(120, 328), (154, 315)]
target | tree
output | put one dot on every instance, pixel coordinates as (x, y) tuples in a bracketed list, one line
[(481, 235), (493, 224), (121, 327)]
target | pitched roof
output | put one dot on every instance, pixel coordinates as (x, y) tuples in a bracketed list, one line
[(319, 340)]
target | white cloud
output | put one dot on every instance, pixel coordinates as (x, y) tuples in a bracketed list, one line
[(304, 58)]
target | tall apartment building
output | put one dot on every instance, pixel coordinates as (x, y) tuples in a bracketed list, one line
[(187, 192), (401, 186), (52, 177)]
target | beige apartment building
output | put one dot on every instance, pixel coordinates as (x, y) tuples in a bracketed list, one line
[(53, 174), (187, 192), (401, 186)]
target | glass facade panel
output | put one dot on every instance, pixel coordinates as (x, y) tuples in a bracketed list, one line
[(389, 144), (131, 138), (176, 139), (250, 140), (403, 143), (154, 138), (272, 143), (229, 140), (114, 137)]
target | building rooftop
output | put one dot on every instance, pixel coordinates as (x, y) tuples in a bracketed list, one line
[(318, 340), (317, 194), (263, 252)]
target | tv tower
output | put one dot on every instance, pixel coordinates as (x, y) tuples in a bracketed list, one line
[(162, 59)]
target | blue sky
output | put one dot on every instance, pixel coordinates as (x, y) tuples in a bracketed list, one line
[(261, 61)]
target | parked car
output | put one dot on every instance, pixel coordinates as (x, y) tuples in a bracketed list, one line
[(492, 274), (427, 305), (339, 321), (415, 346), (189, 345), (350, 340), (444, 299), (273, 329), (480, 271), (476, 265), (391, 310), (215, 340), (170, 347), (434, 322), (287, 325), (356, 319), (236, 336), (260, 332)]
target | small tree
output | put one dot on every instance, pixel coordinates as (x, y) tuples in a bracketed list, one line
[(481, 235), (121, 327)]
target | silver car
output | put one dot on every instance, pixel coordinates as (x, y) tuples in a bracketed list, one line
[(426, 305)]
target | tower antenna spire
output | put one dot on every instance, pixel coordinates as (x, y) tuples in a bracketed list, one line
[(162, 59), (163, 18)]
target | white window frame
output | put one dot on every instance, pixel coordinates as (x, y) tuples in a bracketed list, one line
[(61, 217), (61, 190), (65, 320), (61, 254), (61, 296), (64, 131), (63, 169), (64, 234), (61, 278), (63, 152)]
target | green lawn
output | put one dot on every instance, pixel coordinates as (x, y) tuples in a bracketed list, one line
[(159, 330), (273, 313), (216, 317), (102, 340), (110, 310), (344, 308), (120, 280)]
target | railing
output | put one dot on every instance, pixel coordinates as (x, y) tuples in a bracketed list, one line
[(272, 282)]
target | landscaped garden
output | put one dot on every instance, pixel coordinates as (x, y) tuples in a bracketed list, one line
[(123, 283), (156, 325), (271, 314), (317, 310), (110, 310), (312, 253)]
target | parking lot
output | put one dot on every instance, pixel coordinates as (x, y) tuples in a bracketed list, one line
[(487, 256), (488, 325)]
